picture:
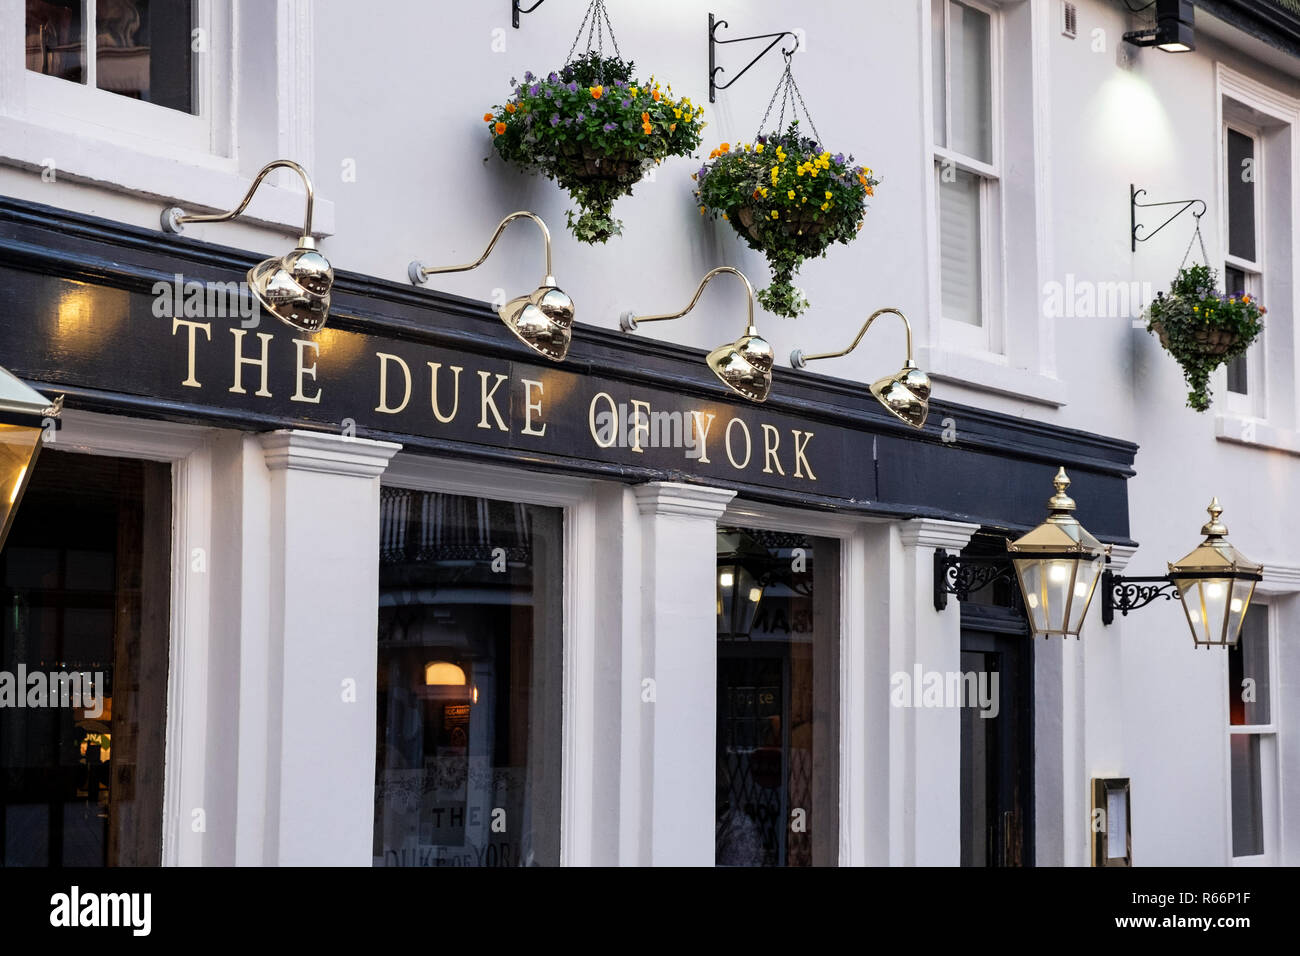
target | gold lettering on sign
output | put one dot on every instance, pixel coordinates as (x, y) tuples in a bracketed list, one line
[(489, 403), (530, 406), (241, 360), (640, 423), (771, 439), (701, 435), (591, 420), (455, 391), (749, 448), (383, 406), (800, 461), (300, 370), (193, 327)]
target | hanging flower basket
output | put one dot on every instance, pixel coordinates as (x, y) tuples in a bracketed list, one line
[(786, 197), (1203, 328), (593, 128)]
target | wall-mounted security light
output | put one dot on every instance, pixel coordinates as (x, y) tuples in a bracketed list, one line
[(543, 319), (1174, 30), (745, 365), (295, 288), (23, 418), (906, 394)]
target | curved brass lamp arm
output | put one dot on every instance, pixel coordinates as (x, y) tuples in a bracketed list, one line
[(418, 272), (174, 217), (799, 360), (629, 321)]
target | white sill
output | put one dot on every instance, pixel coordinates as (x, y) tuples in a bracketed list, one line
[(987, 372), (1251, 431), (194, 181)]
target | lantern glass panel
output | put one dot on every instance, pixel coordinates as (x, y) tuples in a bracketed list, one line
[(19, 445), (1085, 583)]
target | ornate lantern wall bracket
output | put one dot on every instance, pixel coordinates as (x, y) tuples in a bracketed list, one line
[(963, 575)]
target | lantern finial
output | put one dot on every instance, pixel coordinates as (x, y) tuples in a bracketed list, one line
[(1214, 528), (1060, 503)]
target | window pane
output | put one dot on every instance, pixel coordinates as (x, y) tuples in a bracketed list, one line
[(1234, 283), (142, 50), (468, 758), (778, 699), (56, 38), (86, 592), (959, 245), (1247, 797), (971, 82), (939, 71), (1241, 195), (1248, 674)]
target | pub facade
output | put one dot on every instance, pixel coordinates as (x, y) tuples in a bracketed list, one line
[(398, 590)]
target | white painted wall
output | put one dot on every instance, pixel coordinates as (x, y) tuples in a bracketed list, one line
[(400, 93)]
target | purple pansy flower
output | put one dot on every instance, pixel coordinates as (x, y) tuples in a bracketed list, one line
[(626, 104), (555, 119), (552, 77), (532, 90), (609, 127), (573, 87), (581, 116)]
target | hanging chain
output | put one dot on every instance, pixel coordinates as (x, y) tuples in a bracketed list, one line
[(791, 98), (1196, 234), (595, 22)]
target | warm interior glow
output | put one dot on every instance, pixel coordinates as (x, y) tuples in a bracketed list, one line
[(726, 579), (755, 594), (1058, 572), (1236, 605), (443, 673), (1175, 47), (1214, 590), (1033, 600), (18, 484)]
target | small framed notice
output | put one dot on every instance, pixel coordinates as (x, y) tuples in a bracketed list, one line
[(1112, 833)]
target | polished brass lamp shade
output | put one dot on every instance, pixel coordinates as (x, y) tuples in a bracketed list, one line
[(906, 394), (1215, 583), (1058, 565), (23, 417), (745, 365), (542, 319), (295, 288)]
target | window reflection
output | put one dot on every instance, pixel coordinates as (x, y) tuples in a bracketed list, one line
[(468, 758), (778, 699)]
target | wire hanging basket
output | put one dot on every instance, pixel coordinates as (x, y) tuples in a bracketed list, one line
[(593, 127), (785, 194)]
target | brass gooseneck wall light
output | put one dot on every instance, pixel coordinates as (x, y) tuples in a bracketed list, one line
[(295, 288), (543, 319), (905, 394), (745, 365)]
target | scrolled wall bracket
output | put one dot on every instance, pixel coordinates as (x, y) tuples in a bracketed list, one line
[(1124, 594), (714, 69), (516, 9), (963, 575), (1134, 206)]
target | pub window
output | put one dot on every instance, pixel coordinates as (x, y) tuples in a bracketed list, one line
[(86, 577), (778, 699), (1252, 736), (141, 49), (1243, 270), (470, 638), (964, 67)]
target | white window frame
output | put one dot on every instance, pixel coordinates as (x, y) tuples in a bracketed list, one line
[(1253, 404), (577, 498), (73, 132), (1270, 779), (989, 335), (109, 116), (856, 826)]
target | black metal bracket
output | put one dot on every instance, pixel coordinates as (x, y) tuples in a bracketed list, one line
[(714, 69), (1124, 594), (516, 9), (1134, 206), (961, 575)]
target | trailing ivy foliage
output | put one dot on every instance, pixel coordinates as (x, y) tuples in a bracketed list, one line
[(787, 198), (595, 130), (1202, 328)]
